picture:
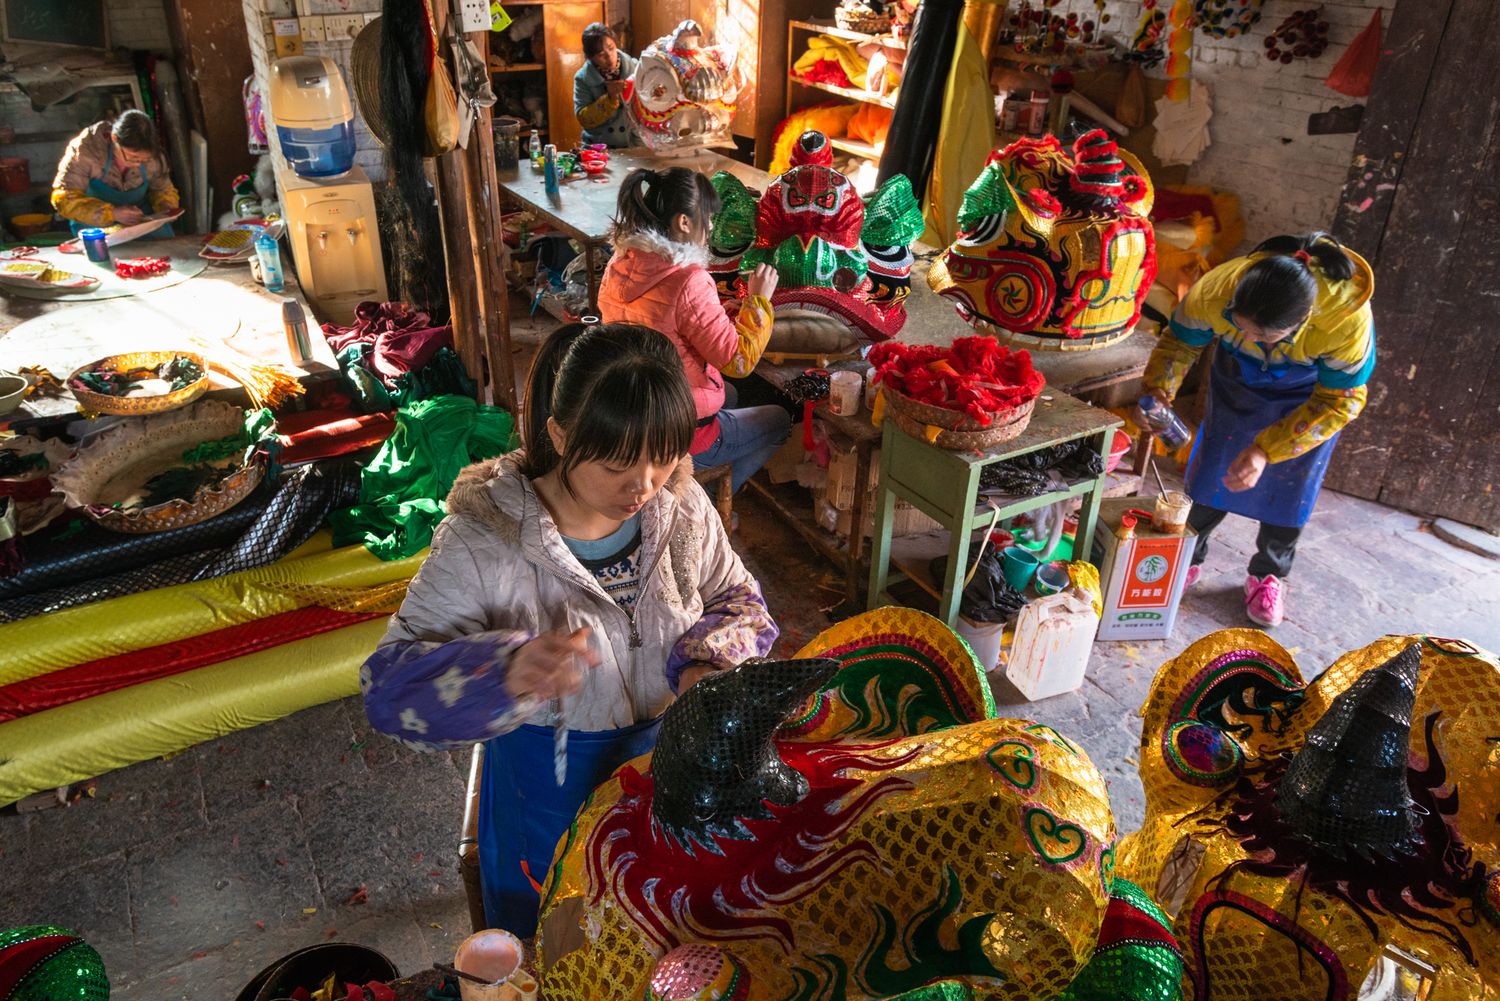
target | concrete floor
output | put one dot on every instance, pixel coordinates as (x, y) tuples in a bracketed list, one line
[(190, 874)]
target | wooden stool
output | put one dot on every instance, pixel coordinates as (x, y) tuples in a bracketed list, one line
[(723, 494), (468, 843)]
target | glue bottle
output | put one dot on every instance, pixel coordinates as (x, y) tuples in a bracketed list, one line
[(1164, 423), (270, 262)]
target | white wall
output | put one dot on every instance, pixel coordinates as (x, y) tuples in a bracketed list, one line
[(1287, 181), (139, 24)]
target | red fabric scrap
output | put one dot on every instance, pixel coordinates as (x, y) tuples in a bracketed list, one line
[(976, 375), (143, 267), (108, 674), (827, 71), (323, 434), (401, 339)]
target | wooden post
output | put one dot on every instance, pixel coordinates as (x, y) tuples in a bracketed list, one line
[(467, 200)]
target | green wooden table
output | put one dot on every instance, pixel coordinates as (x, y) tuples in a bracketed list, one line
[(944, 485)]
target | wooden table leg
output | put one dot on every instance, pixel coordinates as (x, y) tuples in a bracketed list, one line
[(958, 567), (1088, 514), (593, 282), (880, 536), (857, 514)]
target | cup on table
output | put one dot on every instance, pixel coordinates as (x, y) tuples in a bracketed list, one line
[(1018, 564), (843, 393)]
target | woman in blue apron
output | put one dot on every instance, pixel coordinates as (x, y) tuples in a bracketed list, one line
[(573, 589), (114, 175), (1294, 348)]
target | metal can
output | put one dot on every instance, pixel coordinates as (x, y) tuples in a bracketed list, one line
[(95, 245)]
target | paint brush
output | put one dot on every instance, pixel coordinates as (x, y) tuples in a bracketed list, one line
[(454, 971), (1157, 473)]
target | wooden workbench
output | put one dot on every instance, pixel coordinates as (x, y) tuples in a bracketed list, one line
[(222, 303), (584, 206)]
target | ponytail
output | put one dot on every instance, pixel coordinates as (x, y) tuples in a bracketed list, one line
[(651, 199), (618, 390), (1278, 291), (1317, 247)]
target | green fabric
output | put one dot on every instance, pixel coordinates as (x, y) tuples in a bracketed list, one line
[(943, 990), (734, 223), (402, 490), (368, 390), (892, 218), (987, 196), (260, 425), (443, 375)]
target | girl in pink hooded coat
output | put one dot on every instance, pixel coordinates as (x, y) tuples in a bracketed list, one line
[(658, 278)]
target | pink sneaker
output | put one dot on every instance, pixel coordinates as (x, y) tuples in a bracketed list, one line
[(1192, 576), (1263, 600)]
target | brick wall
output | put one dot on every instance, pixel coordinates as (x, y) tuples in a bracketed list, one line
[(139, 24), (1287, 180), (258, 14)]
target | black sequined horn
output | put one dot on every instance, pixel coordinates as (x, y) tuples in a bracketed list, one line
[(1346, 791), (715, 762)]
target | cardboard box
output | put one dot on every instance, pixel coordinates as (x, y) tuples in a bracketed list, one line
[(1142, 577), (907, 520)]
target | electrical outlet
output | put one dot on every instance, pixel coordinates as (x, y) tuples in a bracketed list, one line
[(474, 15), (342, 27), (312, 28)]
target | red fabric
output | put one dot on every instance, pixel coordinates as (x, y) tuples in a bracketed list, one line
[(18, 961), (1123, 921), (26, 490), (976, 375), (1169, 206), (335, 433), (108, 674), (827, 71), (401, 338)]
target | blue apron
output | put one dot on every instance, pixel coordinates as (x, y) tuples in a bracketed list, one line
[(139, 196), (523, 812), (1243, 401)]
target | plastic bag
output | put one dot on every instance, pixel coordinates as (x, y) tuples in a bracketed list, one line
[(988, 598), (1355, 71)]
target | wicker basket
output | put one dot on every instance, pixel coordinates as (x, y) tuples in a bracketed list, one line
[(137, 406), (146, 446), (961, 433), (865, 24)]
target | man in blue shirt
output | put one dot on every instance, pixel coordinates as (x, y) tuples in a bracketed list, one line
[(599, 87)]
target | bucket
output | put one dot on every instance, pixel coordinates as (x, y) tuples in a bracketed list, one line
[(507, 133), (308, 968), (496, 956), (30, 223), (1019, 565), (983, 638), (15, 175)]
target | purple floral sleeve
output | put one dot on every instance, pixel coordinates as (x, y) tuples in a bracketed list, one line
[(435, 695), (735, 627)]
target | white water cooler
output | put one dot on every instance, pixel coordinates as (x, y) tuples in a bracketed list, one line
[(330, 216)]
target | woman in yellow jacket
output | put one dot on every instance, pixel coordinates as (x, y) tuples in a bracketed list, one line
[(114, 174), (1295, 347)]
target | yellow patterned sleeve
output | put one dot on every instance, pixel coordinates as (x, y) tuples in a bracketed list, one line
[(753, 328), (592, 116), (80, 208), (1324, 415), (1169, 364), (164, 197)]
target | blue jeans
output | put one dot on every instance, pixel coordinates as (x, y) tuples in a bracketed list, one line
[(747, 438)]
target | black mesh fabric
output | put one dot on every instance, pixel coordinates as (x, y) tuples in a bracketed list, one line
[(1346, 790), (1026, 475), (715, 762), (282, 517)]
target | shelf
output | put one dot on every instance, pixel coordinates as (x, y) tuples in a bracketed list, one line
[(856, 147), (835, 31), (58, 135), (849, 93), (518, 68)]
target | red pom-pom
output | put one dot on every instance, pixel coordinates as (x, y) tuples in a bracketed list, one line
[(1044, 202)]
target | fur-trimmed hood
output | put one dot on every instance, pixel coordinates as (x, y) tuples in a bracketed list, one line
[(495, 492), (674, 255)]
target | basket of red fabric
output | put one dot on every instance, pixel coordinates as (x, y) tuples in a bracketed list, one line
[(975, 393)]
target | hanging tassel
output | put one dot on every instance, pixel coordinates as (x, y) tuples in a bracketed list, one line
[(1179, 50)]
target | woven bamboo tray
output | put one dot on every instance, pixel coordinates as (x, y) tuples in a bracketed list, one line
[(961, 432), (118, 463), (137, 406), (866, 24)]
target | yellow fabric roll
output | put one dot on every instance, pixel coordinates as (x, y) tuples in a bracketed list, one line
[(820, 47), (46, 643), (965, 139), (90, 737)]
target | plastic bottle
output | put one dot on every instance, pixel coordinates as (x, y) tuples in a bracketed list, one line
[(1164, 423), (270, 262), (549, 169), (534, 147), (294, 321), (95, 245)]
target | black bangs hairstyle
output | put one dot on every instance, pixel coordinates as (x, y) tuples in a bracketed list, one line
[(651, 199), (594, 36), (617, 390), (1278, 292), (135, 131)]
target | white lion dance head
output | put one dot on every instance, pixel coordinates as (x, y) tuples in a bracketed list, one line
[(683, 92)]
